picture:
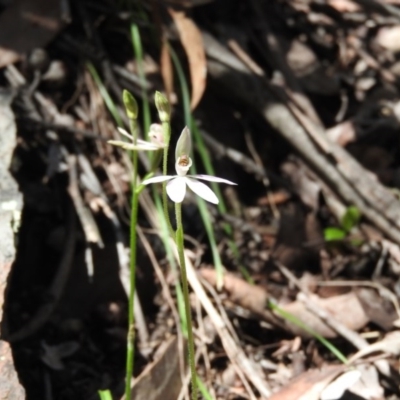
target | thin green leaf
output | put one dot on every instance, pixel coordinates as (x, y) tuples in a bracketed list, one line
[(203, 389), (294, 320), (105, 395), (104, 94)]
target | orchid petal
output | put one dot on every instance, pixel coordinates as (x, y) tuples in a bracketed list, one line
[(212, 179), (157, 179), (202, 190), (123, 132), (141, 145), (184, 144), (176, 189)]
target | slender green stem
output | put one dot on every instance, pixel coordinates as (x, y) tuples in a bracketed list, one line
[(167, 135), (185, 287), (130, 354)]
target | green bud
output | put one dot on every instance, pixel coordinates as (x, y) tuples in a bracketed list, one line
[(131, 105), (163, 107), (184, 144)]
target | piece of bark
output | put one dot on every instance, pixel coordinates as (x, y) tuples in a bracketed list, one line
[(309, 384), (10, 205)]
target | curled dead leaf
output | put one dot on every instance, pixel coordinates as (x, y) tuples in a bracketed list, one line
[(166, 69), (192, 42)]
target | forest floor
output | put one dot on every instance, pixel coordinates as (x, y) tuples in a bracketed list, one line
[(298, 103)]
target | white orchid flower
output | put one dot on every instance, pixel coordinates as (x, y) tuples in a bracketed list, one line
[(156, 140), (176, 186)]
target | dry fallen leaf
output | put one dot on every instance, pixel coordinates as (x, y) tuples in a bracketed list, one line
[(389, 344), (166, 69), (255, 299), (338, 386), (368, 386), (308, 385), (336, 306), (251, 297), (161, 379), (192, 42), (344, 5), (388, 38)]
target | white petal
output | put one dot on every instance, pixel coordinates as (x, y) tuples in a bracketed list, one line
[(202, 190), (176, 189), (124, 145), (157, 179), (147, 146), (212, 179), (184, 143), (145, 143), (123, 132), (144, 146)]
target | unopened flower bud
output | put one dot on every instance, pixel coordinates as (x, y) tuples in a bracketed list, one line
[(131, 105), (184, 144), (163, 107)]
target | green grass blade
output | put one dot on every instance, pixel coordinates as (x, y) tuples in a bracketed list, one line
[(203, 389), (109, 102), (294, 320), (105, 395)]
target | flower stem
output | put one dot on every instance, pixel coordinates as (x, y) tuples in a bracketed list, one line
[(167, 135), (130, 353), (185, 287)]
